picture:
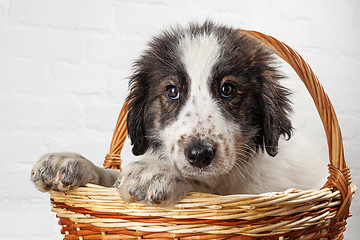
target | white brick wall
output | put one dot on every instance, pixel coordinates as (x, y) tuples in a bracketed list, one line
[(64, 66)]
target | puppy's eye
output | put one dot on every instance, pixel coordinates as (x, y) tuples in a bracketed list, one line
[(227, 90), (172, 92)]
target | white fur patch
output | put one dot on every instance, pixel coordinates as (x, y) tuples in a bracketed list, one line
[(199, 54), (300, 164)]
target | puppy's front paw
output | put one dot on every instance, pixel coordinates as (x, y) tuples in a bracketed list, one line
[(153, 183), (62, 171)]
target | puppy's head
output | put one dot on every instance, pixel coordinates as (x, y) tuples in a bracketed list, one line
[(204, 97)]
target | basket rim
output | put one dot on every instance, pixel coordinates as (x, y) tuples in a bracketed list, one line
[(198, 199), (249, 215)]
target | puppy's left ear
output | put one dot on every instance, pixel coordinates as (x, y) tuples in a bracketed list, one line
[(135, 119), (274, 102)]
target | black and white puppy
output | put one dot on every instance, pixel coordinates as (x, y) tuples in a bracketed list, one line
[(208, 114)]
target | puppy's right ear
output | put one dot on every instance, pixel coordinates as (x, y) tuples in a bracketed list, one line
[(136, 116)]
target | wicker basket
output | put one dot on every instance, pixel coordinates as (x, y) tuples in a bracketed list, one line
[(94, 212)]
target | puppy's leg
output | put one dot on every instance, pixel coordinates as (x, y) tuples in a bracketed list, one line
[(155, 182), (62, 171)]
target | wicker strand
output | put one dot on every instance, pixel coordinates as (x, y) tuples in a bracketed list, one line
[(113, 161)]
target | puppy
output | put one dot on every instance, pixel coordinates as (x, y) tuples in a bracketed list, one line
[(208, 114)]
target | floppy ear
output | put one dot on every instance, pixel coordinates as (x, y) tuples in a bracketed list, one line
[(136, 116), (274, 102)]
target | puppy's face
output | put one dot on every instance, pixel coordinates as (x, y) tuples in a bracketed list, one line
[(204, 98)]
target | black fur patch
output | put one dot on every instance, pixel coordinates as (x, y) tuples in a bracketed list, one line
[(149, 108)]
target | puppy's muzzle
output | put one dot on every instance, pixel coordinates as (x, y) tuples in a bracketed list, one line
[(200, 153)]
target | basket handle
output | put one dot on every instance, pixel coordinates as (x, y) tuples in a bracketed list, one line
[(339, 178)]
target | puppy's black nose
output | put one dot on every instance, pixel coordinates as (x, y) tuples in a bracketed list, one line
[(200, 154)]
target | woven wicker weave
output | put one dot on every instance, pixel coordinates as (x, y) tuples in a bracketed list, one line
[(94, 212)]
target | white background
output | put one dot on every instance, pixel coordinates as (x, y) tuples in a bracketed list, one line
[(64, 66)]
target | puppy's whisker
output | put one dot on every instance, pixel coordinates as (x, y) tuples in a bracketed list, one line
[(239, 169), (243, 154), (247, 147)]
